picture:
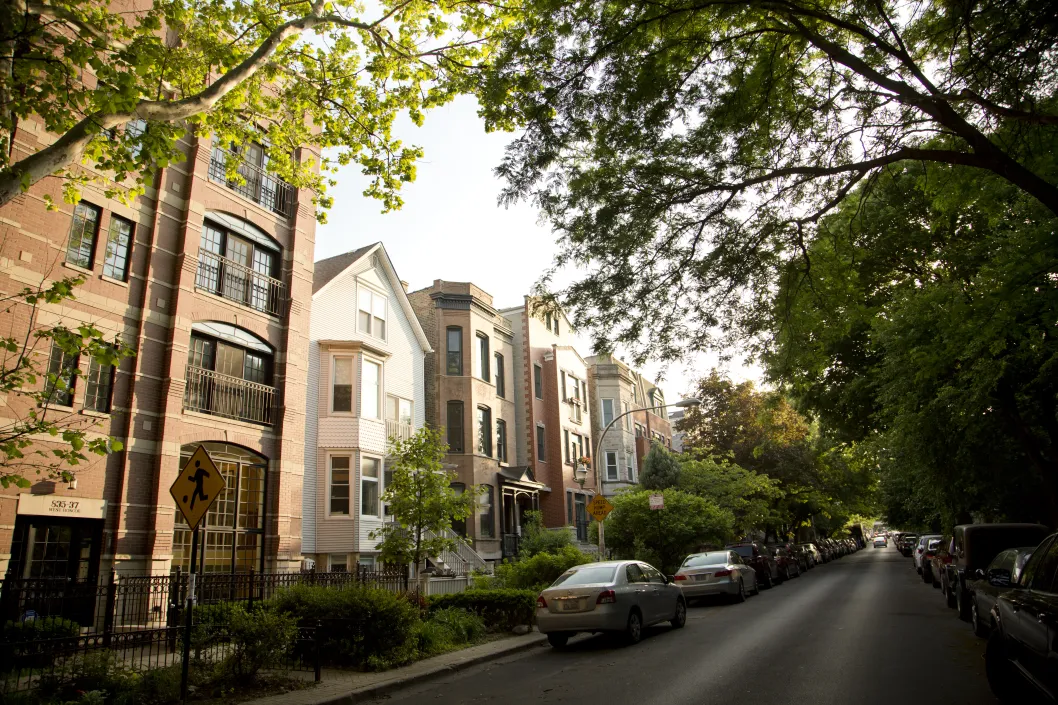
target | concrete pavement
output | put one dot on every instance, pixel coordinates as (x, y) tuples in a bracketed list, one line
[(861, 630)]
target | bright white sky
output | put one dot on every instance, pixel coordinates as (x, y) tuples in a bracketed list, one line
[(452, 228)]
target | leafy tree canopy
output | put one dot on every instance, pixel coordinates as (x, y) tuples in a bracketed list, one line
[(684, 150), (421, 501), (120, 88), (661, 469), (752, 498)]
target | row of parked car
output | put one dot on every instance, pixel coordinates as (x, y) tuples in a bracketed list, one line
[(626, 596), (1003, 580)]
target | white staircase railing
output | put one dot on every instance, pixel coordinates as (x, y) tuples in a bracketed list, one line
[(462, 559)]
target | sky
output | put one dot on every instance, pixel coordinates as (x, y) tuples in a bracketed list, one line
[(452, 228)]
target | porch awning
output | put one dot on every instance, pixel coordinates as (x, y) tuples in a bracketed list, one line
[(521, 477)]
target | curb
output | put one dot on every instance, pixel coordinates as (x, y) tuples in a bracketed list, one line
[(368, 692)]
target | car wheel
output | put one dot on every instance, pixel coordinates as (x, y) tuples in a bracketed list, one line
[(975, 620), (926, 577), (740, 596), (680, 618), (768, 582), (949, 597), (756, 584), (634, 628), (936, 582), (1006, 684), (557, 639)]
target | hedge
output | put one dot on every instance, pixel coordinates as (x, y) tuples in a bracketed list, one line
[(501, 609)]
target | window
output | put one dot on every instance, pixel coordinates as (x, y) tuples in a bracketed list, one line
[(607, 412), (486, 512), (551, 322), (459, 526), (576, 447), (339, 485), (565, 445), (116, 264), (628, 418), (641, 431), (485, 431), (387, 480), (369, 472), (62, 372), (1042, 568), (338, 562), (369, 390), (611, 465), (239, 267), (371, 317), (81, 244), (538, 381), (342, 385), (97, 389), (455, 426), (366, 562), (562, 386), (630, 463), (540, 444), (483, 357), (501, 381), (501, 440), (454, 356), (399, 410)]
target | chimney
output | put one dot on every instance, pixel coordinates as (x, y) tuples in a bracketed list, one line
[(405, 285)]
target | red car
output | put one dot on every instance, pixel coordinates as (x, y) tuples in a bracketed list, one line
[(760, 557), (787, 562)]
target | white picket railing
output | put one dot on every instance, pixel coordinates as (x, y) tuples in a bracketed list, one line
[(447, 586)]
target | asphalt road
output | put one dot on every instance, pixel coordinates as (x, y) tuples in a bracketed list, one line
[(863, 629)]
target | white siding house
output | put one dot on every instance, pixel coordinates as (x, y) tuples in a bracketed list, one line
[(366, 384)]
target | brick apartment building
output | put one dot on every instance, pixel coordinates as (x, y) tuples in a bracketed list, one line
[(210, 282), (552, 414), (471, 393), (616, 389)]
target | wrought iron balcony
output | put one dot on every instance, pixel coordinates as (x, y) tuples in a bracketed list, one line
[(264, 189), (218, 394), (399, 430), (237, 282)]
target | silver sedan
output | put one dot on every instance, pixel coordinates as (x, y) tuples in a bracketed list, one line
[(614, 596), (717, 573)]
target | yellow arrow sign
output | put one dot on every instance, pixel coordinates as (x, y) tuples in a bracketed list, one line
[(197, 486), (599, 507)]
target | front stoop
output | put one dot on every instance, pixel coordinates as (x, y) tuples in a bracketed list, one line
[(345, 687)]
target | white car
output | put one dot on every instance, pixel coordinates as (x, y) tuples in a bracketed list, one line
[(920, 549), (717, 573), (880, 541)]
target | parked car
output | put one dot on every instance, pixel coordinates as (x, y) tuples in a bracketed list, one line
[(975, 547), (1022, 652), (880, 541), (717, 573), (788, 565), (939, 564), (907, 543), (804, 556), (613, 596), (1000, 576), (762, 560), (927, 559), (920, 549), (815, 553)]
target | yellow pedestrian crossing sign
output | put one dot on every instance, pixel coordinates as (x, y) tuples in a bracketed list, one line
[(599, 507), (197, 486)]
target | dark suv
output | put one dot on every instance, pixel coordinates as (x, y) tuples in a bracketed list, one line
[(1022, 655), (975, 547), (760, 557)]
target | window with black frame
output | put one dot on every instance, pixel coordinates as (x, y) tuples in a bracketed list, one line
[(239, 268), (226, 379), (62, 374)]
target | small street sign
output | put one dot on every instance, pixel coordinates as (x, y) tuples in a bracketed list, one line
[(197, 486), (657, 501), (599, 507)]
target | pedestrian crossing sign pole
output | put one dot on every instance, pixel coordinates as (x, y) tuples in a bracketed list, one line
[(196, 488)]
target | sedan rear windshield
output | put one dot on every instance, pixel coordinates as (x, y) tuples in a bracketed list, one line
[(744, 551), (586, 576), (715, 558)]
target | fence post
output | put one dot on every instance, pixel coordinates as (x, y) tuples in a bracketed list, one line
[(316, 638), (252, 590), (111, 608)]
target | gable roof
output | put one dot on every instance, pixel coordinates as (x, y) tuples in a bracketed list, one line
[(327, 270)]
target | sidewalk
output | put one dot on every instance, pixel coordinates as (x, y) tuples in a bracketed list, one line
[(340, 687)]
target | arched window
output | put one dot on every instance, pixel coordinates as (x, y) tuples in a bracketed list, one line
[(239, 261), (229, 373)]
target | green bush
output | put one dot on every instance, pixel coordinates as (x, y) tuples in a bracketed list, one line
[(35, 655), (538, 571), (259, 639), (448, 628), (359, 626), (536, 538), (502, 609)]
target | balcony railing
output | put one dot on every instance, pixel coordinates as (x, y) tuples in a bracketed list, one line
[(262, 188), (237, 282), (213, 393), (399, 430)]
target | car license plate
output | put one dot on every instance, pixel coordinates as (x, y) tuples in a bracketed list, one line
[(570, 605), (703, 577)]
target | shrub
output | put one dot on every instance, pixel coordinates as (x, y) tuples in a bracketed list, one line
[(500, 609), (360, 626), (259, 639), (33, 650), (448, 628), (538, 539), (538, 571)]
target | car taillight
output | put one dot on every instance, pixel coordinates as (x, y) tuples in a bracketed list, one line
[(541, 602), (606, 597), (681, 577), (722, 573)]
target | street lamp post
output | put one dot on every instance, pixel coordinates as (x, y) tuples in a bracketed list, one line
[(682, 403)]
